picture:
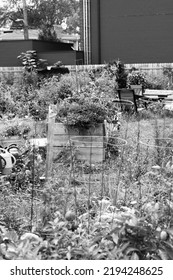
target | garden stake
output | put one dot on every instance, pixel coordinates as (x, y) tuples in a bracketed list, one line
[(138, 141), (102, 182), (89, 188), (33, 186), (72, 171), (50, 142), (102, 187), (157, 143), (137, 158), (120, 168), (164, 126), (77, 81)]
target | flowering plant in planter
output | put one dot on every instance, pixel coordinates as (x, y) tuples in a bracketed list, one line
[(136, 77)]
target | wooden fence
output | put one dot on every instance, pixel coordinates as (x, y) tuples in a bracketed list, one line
[(149, 68)]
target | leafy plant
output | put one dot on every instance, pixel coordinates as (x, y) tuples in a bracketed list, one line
[(83, 111), (114, 70), (16, 130), (13, 247), (47, 33), (30, 60), (117, 68), (159, 81), (168, 72)]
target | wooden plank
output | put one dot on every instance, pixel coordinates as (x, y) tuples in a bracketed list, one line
[(90, 148), (61, 129), (91, 154), (38, 142)]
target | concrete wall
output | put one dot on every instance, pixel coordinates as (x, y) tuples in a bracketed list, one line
[(135, 31)]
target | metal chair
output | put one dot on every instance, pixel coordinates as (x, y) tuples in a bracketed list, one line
[(126, 94), (140, 102)]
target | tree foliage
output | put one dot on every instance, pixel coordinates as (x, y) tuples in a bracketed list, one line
[(42, 14)]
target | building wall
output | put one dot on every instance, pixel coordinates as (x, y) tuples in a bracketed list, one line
[(53, 52), (135, 31), (9, 51), (43, 46), (67, 57)]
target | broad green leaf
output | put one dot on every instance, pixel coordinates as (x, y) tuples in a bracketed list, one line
[(134, 256), (129, 250), (163, 255), (115, 238), (31, 236)]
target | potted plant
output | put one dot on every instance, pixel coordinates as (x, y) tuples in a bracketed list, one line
[(136, 77)]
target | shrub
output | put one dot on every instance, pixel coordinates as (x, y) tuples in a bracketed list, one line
[(81, 111), (168, 72), (117, 68), (58, 88), (157, 82), (38, 109), (16, 130), (84, 110), (96, 73), (114, 70), (47, 33), (150, 81), (7, 107)]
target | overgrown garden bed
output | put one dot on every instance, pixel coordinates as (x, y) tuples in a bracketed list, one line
[(121, 208)]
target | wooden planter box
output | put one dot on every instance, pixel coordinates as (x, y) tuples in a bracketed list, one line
[(89, 142), (5, 142)]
